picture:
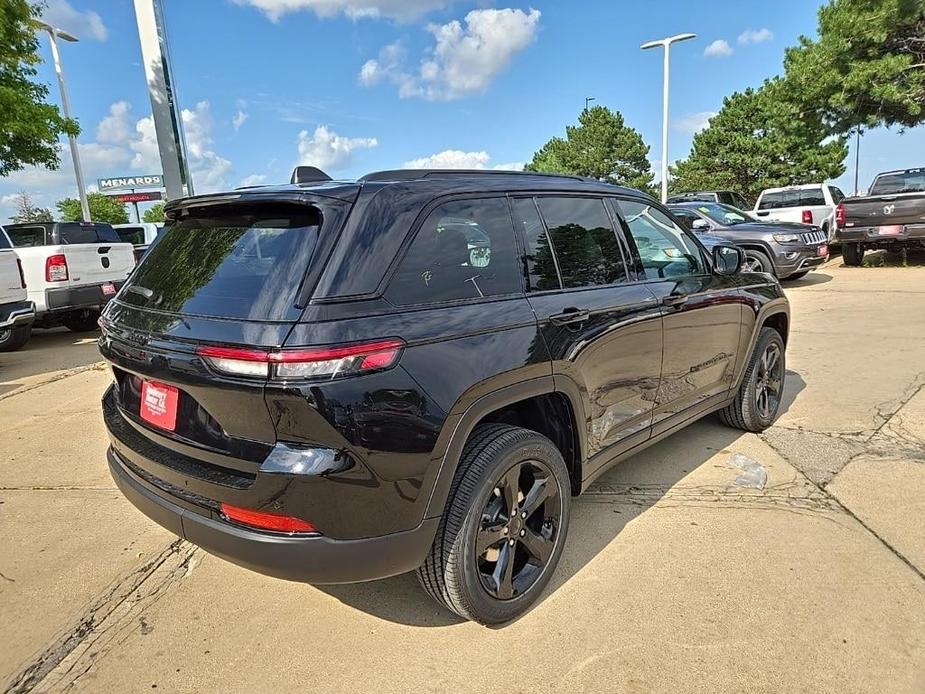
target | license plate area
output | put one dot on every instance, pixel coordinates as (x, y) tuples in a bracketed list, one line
[(890, 230), (108, 289), (822, 250), (159, 404)]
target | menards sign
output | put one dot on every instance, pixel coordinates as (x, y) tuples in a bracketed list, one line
[(149, 181)]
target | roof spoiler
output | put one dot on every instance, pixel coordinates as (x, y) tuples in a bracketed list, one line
[(308, 174)]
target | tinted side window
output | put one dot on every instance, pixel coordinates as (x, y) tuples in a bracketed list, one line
[(23, 237), (541, 264), (134, 235), (780, 199), (665, 250), (740, 202), (812, 197), (4, 241), (837, 195), (583, 239), (464, 250)]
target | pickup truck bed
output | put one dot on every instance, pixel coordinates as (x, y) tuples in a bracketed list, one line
[(892, 220)]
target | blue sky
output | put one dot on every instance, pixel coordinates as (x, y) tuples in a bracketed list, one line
[(360, 85)]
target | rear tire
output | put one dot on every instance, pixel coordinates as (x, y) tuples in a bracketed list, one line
[(756, 261), (852, 254), (14, 338), (758, 400), (503, 528), (81, 321)]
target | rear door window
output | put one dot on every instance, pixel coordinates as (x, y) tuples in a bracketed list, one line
[(24, 237), (463, 250), (584, 246), (247, 265)]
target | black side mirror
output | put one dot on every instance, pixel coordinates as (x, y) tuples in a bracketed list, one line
[(727, 260)]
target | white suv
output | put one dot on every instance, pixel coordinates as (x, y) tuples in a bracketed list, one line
[(813, 203)]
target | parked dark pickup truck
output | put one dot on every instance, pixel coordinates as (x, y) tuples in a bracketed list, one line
[(891, 215)]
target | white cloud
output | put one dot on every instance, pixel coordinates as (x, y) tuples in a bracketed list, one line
[(253, 180), (718, 49), (403, 10), (458, 159), (326, 149), (84, 25), (117, 126), (239, 118), (755, 36), (694, 122), (464, 60)]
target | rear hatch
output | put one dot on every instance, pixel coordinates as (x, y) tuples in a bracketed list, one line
[(232, 276)]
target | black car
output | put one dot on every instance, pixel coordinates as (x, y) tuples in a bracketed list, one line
[(786, 250), (725, 197), (335, 382)]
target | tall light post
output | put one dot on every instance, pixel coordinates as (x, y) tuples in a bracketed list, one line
[(54, 33), (588, 100), (666, 44)]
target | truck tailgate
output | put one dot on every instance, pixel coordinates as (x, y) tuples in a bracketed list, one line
[(97, 263), (885, 210)]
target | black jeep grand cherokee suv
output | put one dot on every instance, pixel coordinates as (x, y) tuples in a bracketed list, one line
[(335, 382)]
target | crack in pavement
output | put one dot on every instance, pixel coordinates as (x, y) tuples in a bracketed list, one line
[(108, 620)]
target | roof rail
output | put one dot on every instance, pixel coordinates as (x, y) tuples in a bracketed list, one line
[(417, 174)]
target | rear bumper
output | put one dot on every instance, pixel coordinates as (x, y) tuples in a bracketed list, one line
[(17, 314), (872, 235), (70, 298), (312, 559)]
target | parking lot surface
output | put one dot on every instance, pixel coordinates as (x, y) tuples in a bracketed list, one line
[(714, 561)]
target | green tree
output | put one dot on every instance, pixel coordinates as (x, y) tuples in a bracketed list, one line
[(759, 140), (154, 214), (867, 66), (102, 209), (26, 211), (30, 125), (601, 146)]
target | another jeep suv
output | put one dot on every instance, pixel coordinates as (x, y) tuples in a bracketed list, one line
[(342, 381)]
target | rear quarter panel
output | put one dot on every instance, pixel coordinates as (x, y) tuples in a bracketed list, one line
[(10, 285)]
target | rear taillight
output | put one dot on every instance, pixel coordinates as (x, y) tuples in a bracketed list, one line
[(807, 216), (22, 275), (302, 364), (55, 268), (840, 215), (266, 521)]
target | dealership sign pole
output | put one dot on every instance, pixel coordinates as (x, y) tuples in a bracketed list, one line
[(168, 123)]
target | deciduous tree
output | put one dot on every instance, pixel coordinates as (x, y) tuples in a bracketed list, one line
[(102, 209)]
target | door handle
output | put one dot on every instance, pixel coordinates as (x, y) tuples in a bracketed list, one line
[(570, 315), (763, 214), (674, 300)]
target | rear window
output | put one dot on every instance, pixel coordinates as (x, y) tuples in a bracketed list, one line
[(246, 266), (24, 237), (76, 232), (902, 182), (133, 235), (792, 198)]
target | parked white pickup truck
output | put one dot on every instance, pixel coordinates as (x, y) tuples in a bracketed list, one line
[(16, 311), (813, 203), (72, 269)]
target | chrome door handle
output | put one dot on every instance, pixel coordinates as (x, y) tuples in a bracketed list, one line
[(570, 315)]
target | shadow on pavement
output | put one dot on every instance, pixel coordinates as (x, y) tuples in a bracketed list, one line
[(810, 280), (597, 518), (47, 352)]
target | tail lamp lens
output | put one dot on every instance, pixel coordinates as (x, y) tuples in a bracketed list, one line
[(305, 364), (840, 215), (263, 520), (55, 268), (807, 216)]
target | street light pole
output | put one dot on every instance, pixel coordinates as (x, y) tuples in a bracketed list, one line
[(666, 44), (588, 100), (54, 33)]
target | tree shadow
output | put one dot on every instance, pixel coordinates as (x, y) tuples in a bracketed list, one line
[(598, 517)]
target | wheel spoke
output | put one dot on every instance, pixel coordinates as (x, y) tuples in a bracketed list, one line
[(487, 537), (538, 545), (774, 385), (541, 490), (772, 356), (762, 402), (503, 574), (510, 488)]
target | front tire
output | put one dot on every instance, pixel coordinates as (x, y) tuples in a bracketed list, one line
[(81, 321), (852, 254), (503, 528), (756, 261), (758, 400), (14, 338)]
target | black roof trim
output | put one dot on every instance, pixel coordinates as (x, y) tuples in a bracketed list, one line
[(418, 174)]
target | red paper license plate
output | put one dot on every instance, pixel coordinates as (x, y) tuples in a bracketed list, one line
[(822, 250), (109, 289), (159, 404), (890, 230)]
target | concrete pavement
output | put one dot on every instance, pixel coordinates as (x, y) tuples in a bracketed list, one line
[(714, 561)]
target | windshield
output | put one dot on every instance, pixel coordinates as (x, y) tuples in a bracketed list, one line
[(247, 266), (912, 181), (727, 215)]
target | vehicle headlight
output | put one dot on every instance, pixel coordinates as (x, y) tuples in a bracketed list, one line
[(786, 238)]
